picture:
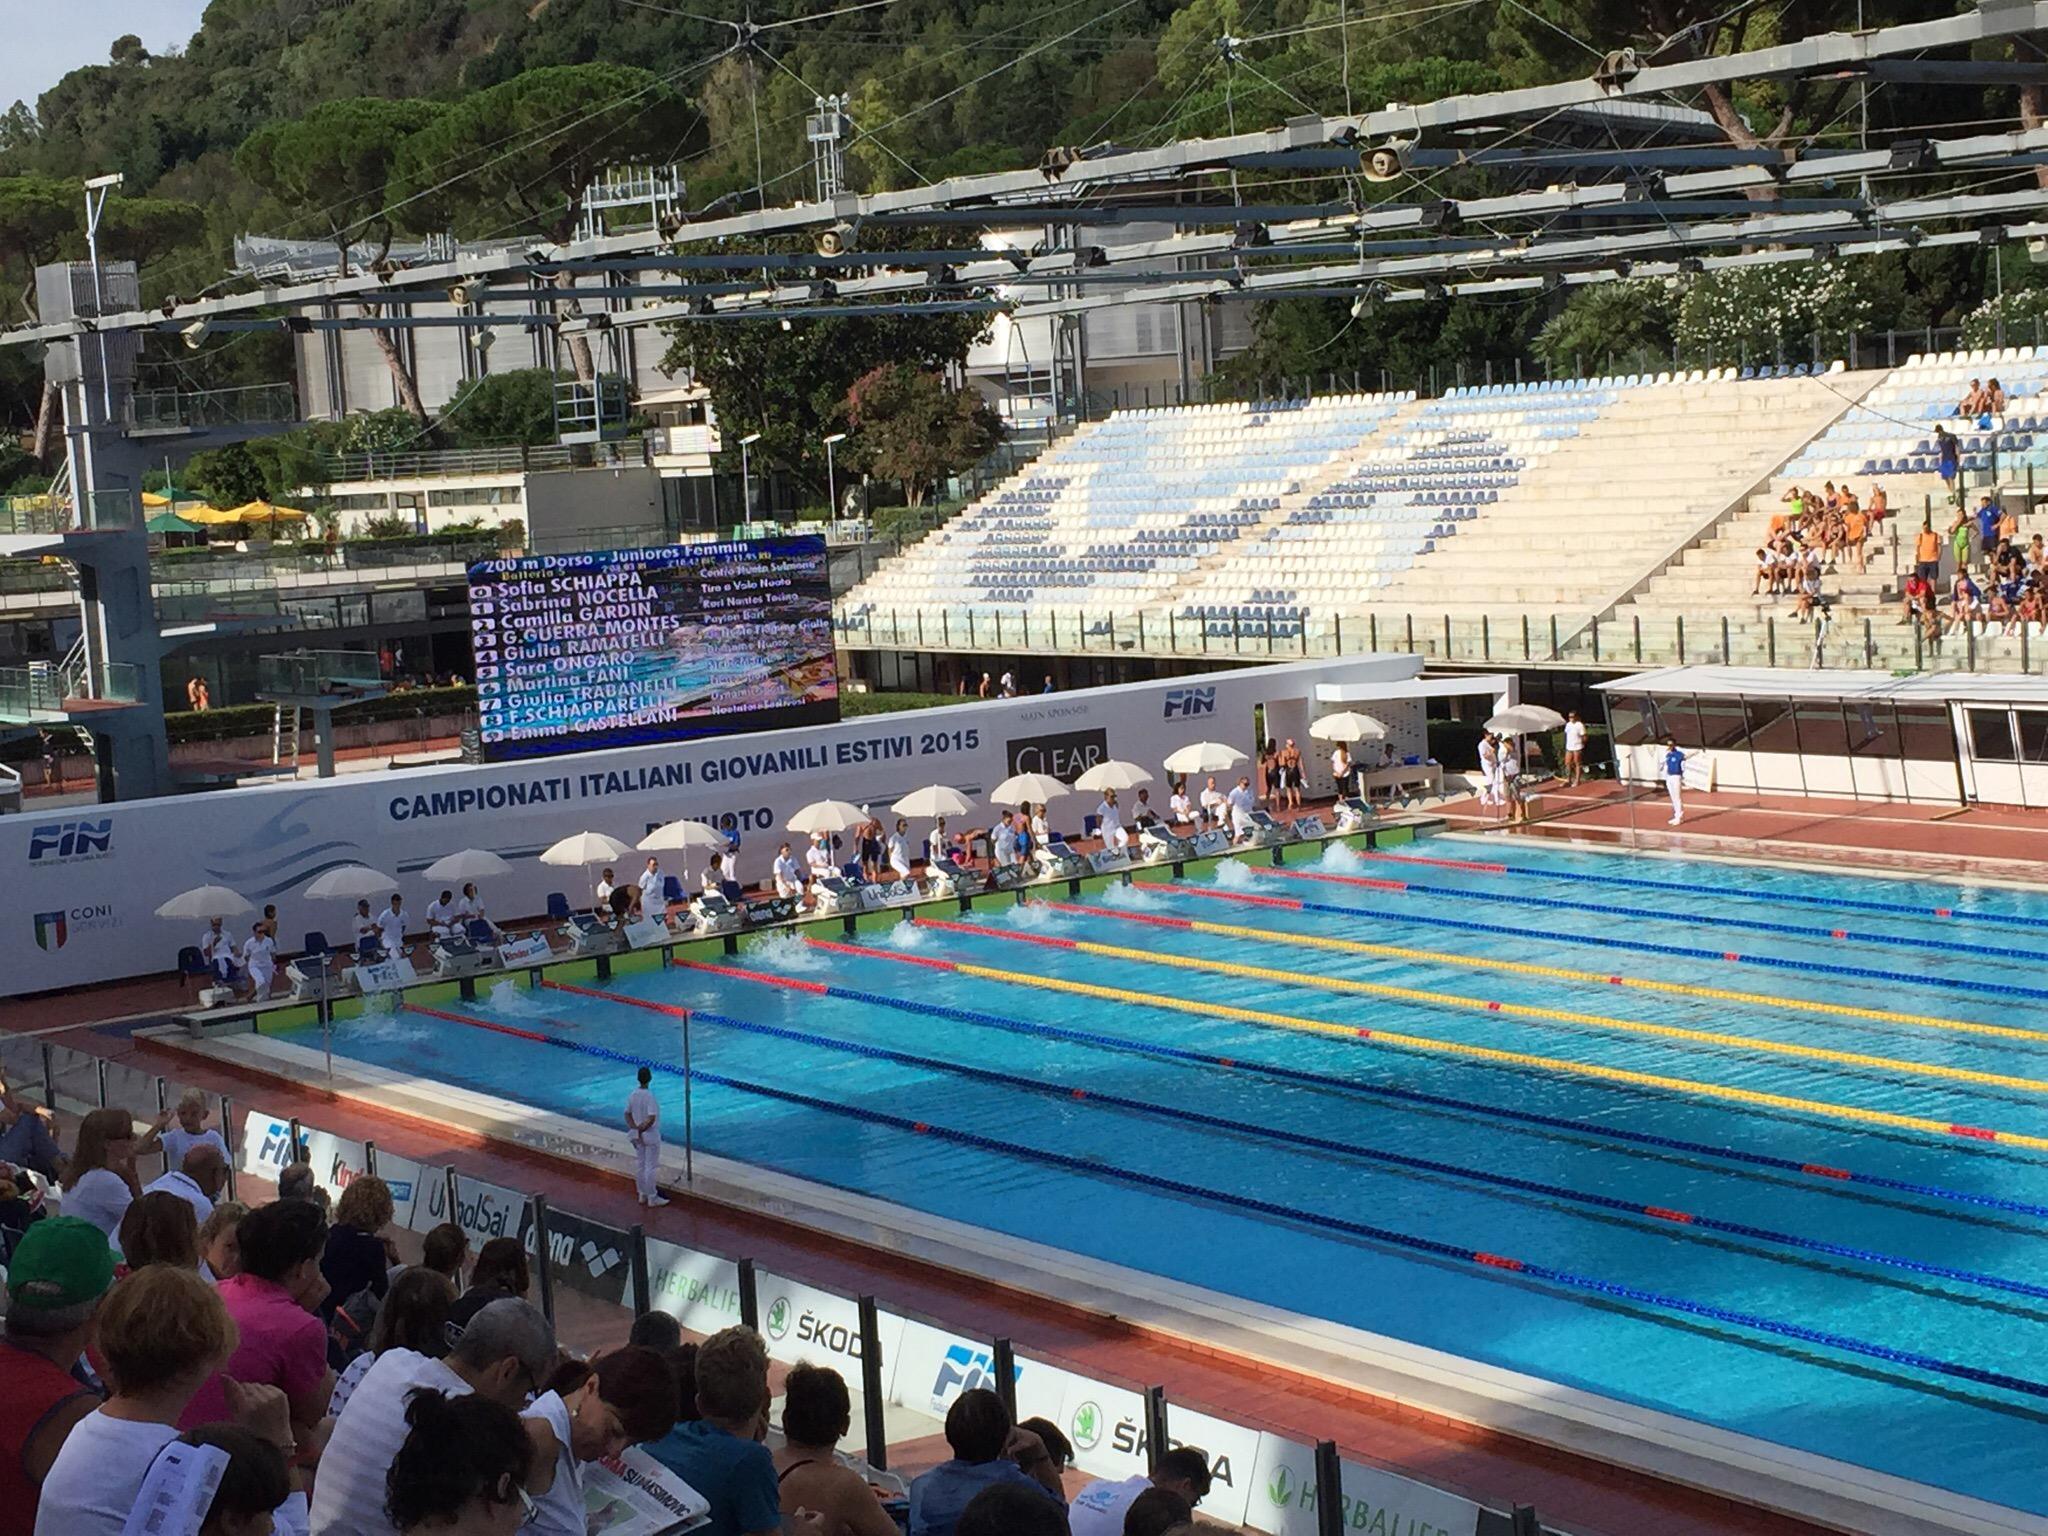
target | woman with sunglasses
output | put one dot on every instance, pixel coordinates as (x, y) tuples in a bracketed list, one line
[(462, 1469)]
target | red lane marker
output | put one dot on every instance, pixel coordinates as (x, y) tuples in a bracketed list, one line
[(1614, 981), (1152, 919), (1493, 1007), (878, 953), (1730, 955), (463, 1018), (1416, 858), (1305, 874), (1838, 933), (1496, 1261), (920, 1127), (1363, 1034), (1974, 1132), (787, 983), (1079, 1093), (1667, 1215), (671, 1009), (1944, 912), (1823, 1171), (1045, 940), (1224, 1061), (1285, 903)]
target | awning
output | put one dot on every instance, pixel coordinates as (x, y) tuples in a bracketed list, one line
[(1851, 685), (170, 522)]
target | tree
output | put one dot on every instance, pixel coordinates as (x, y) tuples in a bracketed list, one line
[(1602, 321), (228, 477), (334, 166), (549, 132), (910, 425), (512, 408)]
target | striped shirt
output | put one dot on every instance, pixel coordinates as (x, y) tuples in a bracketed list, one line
[(348, 1495)]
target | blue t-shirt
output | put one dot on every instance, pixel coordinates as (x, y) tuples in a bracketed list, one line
[(937, 1497), (1674, 761), (1987, 524), (736, 1476)]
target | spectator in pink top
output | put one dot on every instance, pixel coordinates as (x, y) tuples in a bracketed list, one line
[(273, 1301)]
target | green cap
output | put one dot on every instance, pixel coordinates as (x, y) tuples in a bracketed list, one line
[(60, 1262)]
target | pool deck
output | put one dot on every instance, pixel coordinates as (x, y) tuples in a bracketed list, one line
[(1577, 1493)]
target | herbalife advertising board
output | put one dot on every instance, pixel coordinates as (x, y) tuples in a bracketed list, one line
[(1282, 1498)]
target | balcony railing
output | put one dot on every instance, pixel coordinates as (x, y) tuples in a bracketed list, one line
[(189, 410), (40, 690), (1579, 640), (311, 673), (66, 513), (447, 462)]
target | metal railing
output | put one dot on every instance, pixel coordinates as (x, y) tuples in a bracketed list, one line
[(434, 463), (45, 513), (1577, 639), (186, 410), (40, 690), (309, 673)]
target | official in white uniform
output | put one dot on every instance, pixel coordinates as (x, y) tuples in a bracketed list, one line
[(1214, 807), (789, 874), (643, 1131), (1002, 842), (442, 915), (651, 888), (819, 856), (259, 959), (1241, 802), (1110, 823), (392, 923), (899, 850), (604, 894), (713, 882), (217, 949), (470, 909), (365, 923)]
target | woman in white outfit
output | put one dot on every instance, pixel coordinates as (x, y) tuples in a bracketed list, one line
[(898, 850), (259, 959)]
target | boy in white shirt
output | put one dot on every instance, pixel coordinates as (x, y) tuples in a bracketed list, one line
[(392, 924), (789, 875), (441, 915)]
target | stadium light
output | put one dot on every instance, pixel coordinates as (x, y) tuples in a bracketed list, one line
[(746, 475), (831, 480)]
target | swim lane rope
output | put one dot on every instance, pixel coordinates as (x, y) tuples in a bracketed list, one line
[(1525, 968), (1449, 1000), (1329, 1081), (1604, 909), (1691, 888), (1387, 1236), (1425, 1043), (1610, 941), (1297, 1139)]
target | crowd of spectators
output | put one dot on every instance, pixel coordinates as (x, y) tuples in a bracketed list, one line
[(1816, 535), (343, 1392)]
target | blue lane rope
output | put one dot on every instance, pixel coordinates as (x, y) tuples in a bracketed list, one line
[(1431, 1100), (1384, 1235), (1648, 947), (1784, 898), (1670, 1220), (1403, 887)]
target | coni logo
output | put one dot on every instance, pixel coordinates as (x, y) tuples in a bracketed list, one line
[(778, 1318), (1086, 1427)]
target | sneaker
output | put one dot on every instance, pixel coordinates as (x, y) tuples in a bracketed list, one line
[(1674, 821), (657, 1200)]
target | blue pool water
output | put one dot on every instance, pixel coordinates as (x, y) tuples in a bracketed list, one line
[(1126, 1181)]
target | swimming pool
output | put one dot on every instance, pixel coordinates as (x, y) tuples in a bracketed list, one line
[(1766, 1148)]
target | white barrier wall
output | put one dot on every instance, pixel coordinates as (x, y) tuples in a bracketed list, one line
[(86, 880)]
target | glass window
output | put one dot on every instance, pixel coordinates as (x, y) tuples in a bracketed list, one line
[(1722, 727), (400, 607), (1991, 735), (1770, 726), (1926, 733), (2033, 725), (1628, 714), (1873, 731), (1820, 728)]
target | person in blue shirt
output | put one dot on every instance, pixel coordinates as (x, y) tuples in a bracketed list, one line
[(987, 1449), (1674, 778), (721, 1455), (1987, 528)]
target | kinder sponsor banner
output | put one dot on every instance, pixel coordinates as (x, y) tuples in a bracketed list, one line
[(482, 1210), (1282, 1498), (589, 1257), (336, 1160), (1107, 1427), (534, 949), (699, 1290), (269, 841), (800, 1322)]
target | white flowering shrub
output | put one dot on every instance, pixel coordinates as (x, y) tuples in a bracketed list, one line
[(1752, 311), (2024, 311)]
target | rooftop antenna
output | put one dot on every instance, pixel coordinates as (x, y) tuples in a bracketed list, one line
[(826, 129)]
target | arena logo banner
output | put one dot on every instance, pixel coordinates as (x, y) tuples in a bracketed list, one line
[(269, 842), (589, 1257), (612, 648)]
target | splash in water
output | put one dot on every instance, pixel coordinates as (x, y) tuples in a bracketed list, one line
[(907, 936), (1235, 875), (785, 950), (1339, 859), (1030, 914), (1121, 895), (511, 996)]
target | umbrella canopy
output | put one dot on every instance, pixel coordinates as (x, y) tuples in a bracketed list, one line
[(1521, 719), (350, 882), (206, 901), (247, 512), (827, 816), (1348, 725), (933, 800), (585, 848), (683, 836), (467, 864), (1114, 774), (1028, 789), (170, 522), (1204, 757)]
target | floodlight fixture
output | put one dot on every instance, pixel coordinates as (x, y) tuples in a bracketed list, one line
[(460, 294), (750, 439), (836, 437), (1913, 155), (100, 183), (196, 333), (1381, 164)]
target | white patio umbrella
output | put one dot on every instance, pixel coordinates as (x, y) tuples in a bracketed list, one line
[(350, 882), (1204, 757), (206, 901), (933, 800), (1113, 774), (827, 816), (466, 864), (584, 848), (1348, 725), (681, 836), (1028, 789), (1523, 719)]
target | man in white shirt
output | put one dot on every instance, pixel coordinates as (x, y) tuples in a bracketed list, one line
[(1180, 810), (604, 894), (818, 857), (392, 923), (1241, 801), (1574, 748), (899, 850), (643, 1130), (789, 875), (1002, 842), (1109, 823), (503, 1355), (652, 901), (471, 909), (1099, 1509), (365, 922), (1212, 803), (442, 915), (198, 1182), (191, 1129), (259, 960)]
